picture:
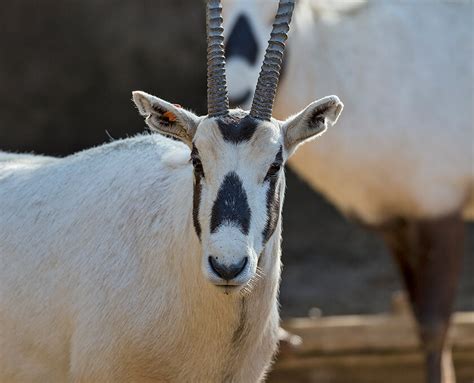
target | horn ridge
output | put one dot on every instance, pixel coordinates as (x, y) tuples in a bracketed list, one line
[(217, 99), (262, 104)]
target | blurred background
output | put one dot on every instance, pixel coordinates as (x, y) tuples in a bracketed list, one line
[(67, 69)]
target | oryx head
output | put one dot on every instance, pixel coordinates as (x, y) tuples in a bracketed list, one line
[(247, 26), (238, 156)]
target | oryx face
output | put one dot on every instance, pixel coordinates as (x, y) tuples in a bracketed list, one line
[(237, 158), (238, 177), (238, 183)]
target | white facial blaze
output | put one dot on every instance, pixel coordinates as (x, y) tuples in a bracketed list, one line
[(233, 206)]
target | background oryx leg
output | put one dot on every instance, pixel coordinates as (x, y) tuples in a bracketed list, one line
[(429, 254)]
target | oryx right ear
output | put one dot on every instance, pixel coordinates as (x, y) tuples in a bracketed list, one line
[(311, 122), (166, 118)]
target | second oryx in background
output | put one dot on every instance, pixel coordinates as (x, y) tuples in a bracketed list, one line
[(402, 159)]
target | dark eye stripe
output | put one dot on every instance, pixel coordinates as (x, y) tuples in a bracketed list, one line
[(273, 201), (273, 208), (276, 165), (197, 189), (231, 205), (279, 156)]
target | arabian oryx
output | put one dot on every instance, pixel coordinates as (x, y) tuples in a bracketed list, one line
[(153, 259), (402, 159)]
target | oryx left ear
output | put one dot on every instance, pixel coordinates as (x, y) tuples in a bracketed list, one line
[(311, 122), (166, 118)]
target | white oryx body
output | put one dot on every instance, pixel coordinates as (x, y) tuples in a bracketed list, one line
[(100, 277), (405, 71)]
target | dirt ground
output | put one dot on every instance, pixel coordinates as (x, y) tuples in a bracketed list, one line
[(338, 266)]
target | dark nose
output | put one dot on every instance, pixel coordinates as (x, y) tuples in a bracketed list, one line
[(242, 42), (227, 272)]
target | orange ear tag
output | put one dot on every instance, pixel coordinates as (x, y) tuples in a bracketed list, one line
[(170, 116)]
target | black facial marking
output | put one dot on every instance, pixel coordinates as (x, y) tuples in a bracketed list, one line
[(276, 165), (236, 129), (196, 161), (273, 200), (231, 206), (279, 156), (197, 188), (242, 42)]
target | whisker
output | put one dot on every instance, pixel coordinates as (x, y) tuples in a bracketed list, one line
[(247, 289)]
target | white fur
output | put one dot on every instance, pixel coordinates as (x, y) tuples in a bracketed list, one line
[(404, 71)]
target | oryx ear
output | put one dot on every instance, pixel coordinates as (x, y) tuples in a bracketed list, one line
[(311, 122), (166, 118)]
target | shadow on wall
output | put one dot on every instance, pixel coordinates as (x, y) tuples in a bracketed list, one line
[(67, 68)]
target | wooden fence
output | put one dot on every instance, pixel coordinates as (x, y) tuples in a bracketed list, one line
[(379, 348)]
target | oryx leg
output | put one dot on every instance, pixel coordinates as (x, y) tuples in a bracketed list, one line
[(429, 254)]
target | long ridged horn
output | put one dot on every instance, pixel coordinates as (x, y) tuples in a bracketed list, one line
[(265, 90), (217, 99)]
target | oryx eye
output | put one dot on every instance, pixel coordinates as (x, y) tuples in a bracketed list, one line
[(273, 171), (197, 164)]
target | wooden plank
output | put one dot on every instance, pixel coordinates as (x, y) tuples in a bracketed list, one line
[(371, 333), (462, 331), (406, 367), (368, 349), (349, 368)]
